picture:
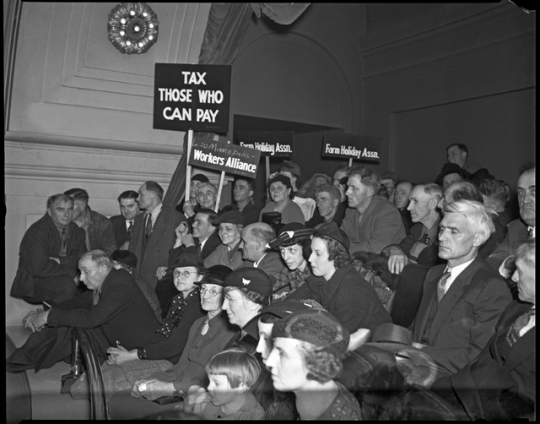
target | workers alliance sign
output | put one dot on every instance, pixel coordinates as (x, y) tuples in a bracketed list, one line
[(195, 97)]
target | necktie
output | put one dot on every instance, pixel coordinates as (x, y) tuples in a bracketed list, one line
[(427, 240), (513, 333), (148, 227), (64, 238), (441, 286), (130, 228), (530, 234), (95, 297), (206, 327)]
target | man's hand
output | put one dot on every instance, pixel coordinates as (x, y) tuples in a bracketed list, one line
[(36, 321), (161, 271), (153, 389), (508, 267), (188, 209), (418, 345), (358, 338), (180, 231), (188, 240), (397, 261), (54, 259)]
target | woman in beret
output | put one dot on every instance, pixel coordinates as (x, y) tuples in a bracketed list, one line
[(337, 286), (280, 193), (294, 244), (306, 358)]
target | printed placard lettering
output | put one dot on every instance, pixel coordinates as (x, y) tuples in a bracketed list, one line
[(351, 146), (269, 143)]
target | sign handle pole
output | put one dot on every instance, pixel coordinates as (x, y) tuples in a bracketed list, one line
[(219, 190), (267, 162), (350, 161), (188, 167)]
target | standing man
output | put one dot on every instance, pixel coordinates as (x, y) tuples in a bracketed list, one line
[(459, 153), (153, 232), (389, 180), (49, 253), (98, 228), (257, 253), (243, 191), (423, 207), (371, 222), (123, 223), (463, 300), (519, 229)]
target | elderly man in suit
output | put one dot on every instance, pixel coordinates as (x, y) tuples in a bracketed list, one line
[(519, 229), (462, 300), (371, 222), (49, 253), (255, 249), (153, 232), (123, 223), (113, 302), (500, 384)]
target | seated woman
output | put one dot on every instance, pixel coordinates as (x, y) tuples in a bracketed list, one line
[(207, 336), (294, 243), (230, 225), (124, 367), (308, 347), (341, 290), (280, 193)]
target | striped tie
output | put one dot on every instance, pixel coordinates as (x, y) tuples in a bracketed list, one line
[(441, 286)]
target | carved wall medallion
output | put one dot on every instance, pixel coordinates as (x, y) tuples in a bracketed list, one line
[(133, 27)]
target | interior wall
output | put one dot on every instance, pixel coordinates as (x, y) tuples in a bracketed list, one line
[(81, 113), (461, 73)]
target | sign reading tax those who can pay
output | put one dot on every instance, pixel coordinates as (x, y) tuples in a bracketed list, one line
[(351, 146), (221, 156), (269, 143), (195, 97)]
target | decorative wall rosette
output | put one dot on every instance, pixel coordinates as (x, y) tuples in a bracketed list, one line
[(133, 27)]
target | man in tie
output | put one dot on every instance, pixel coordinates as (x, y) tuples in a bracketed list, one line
[(49, 253), (500, 384), (462, 300), (519, 229), (153, 232), (123, 223), (424, 199)]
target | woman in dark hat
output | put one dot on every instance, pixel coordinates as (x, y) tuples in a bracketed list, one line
[(207, 336), (337, 286), (293, 243), (124, 367), (306, 358), (280, 193)]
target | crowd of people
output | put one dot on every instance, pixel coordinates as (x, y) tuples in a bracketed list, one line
[(278, 313)]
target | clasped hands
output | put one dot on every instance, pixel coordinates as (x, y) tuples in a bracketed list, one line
[(119, 354), (35, 320), (152, 389)]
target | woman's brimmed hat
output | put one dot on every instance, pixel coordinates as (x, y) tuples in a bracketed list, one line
[(280, 178), (125, 257), (291, 233), (187, 259), (320, 328), (215, 275), (332, 231)]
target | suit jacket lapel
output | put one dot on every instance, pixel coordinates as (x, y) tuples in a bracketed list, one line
[(427, 302), (452, 296), (523, 348)]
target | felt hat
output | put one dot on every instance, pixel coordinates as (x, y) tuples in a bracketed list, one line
[(331, 230), (252, 279), (479, 176), (392, 337), (215, 275), (125, 257), (200, 177), (187, 259), (280, 178), (230, 217), (291, 232), (291, 167), (389, 175), (317, 327), (284, 308), (451, 168), (320, 175)]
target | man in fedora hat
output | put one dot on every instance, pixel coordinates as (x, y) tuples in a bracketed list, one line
[(461, 301)]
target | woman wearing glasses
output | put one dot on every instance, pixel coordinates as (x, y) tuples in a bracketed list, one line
[(207, 336), (280, 192), (125, 366)]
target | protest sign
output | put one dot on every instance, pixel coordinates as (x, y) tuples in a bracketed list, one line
[(349, 146), (195, 97), (269, 143), (224, 157)]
